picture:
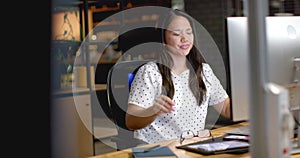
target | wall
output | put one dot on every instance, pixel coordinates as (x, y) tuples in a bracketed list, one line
[(211, 14)]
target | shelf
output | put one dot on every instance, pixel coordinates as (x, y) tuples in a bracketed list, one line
[(115, 5), (62, 43), (70, 3), (64, 47), (69, 91)]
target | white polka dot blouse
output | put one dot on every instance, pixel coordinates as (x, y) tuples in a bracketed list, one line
[(146, 86)]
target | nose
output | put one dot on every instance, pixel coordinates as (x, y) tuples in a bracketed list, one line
[(184, 38)]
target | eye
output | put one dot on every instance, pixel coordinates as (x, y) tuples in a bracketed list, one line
[(189, 32), (176, 33)]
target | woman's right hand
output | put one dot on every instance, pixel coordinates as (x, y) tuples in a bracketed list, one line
[(163, 104), (138, 117)]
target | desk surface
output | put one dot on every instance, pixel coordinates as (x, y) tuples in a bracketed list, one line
[(183, 153)]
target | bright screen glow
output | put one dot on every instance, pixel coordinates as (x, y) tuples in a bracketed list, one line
[(283, 39)]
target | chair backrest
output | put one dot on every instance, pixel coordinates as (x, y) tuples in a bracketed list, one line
[(143, 42), (118, 87), (135, 42)]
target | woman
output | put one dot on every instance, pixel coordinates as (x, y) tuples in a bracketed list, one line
[(172, 95)]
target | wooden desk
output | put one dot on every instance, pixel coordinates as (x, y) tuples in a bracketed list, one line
[(183, 153)]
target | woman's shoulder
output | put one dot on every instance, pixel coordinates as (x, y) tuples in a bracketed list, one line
[(150, 65), (206, 67), (207, 71)]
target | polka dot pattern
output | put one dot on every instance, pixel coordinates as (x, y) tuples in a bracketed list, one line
[(146, 86)]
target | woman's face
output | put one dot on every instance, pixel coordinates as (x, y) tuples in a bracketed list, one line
[(179, 36)]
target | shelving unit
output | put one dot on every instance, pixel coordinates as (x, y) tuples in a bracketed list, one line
[(71, 108)]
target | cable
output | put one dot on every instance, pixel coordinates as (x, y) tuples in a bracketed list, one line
[(296, 121)]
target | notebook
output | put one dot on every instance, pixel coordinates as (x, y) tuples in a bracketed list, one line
[(161, 152)]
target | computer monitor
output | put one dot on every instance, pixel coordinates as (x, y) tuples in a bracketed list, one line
[(239, 80), (284, 54), (283, 40)]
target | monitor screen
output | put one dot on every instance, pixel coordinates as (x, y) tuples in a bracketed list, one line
[(283, 40)]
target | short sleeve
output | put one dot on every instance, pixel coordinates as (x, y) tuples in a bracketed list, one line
[(214, 87), (145, 86)]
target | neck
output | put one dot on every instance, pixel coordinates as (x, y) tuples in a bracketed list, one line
[(179, 64)]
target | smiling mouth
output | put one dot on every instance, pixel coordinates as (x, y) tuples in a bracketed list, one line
[(186, 46)]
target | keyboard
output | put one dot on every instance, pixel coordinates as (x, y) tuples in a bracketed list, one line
[(242, 130), (245, 130)]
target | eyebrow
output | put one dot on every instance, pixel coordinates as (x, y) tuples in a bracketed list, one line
[(178, 30)]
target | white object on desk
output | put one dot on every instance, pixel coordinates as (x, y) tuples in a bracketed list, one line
[(281, 127)]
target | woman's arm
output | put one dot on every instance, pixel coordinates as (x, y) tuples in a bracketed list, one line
[(223, 108), (138, 117), (135, 119)]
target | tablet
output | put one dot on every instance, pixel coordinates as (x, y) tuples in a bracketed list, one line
[(225, 146)]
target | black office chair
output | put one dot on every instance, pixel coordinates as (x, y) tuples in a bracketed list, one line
[(118, 87), (133, 42)]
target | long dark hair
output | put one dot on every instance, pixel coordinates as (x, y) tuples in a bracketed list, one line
[(194, 58)]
